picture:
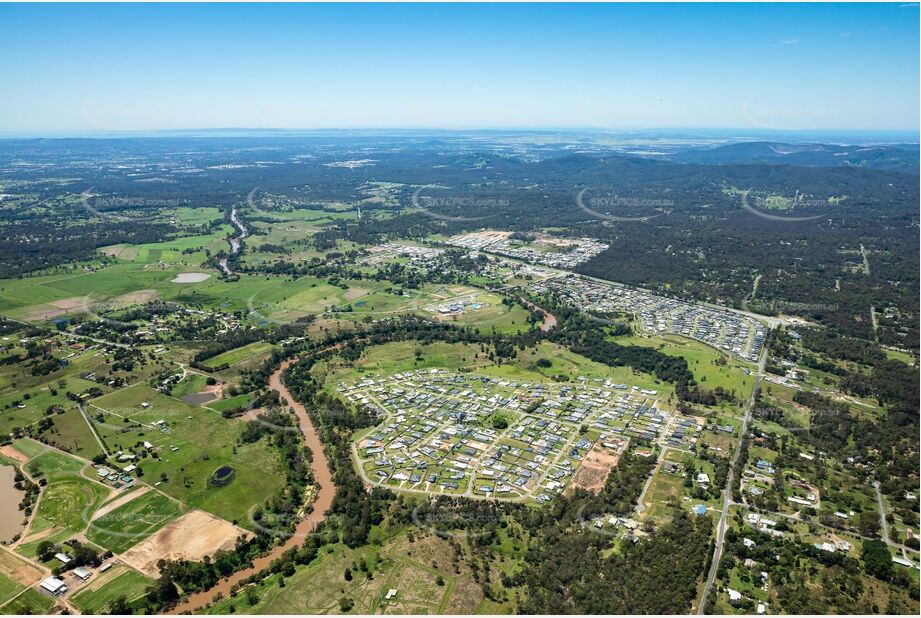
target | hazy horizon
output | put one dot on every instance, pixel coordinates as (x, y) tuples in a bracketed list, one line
[(714, 133)]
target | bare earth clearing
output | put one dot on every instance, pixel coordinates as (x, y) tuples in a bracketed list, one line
[(191, 537), (594, 470), (191, 278), (12, 453), (55, 309)]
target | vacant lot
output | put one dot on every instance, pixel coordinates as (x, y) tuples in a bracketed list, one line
[(17, 569), (29, 448), (594, 470), (191, 537)]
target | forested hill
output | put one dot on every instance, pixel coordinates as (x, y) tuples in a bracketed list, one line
[(903, 157)]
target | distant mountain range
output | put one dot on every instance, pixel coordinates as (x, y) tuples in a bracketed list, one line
[(903, 157)]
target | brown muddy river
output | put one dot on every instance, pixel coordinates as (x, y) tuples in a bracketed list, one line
[(11, 517), (324, 477)]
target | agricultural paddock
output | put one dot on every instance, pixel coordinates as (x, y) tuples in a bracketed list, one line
[(29, 448), (65, 505), (16, 572), (130, 523), (242, 354), (71, 432), (203, 441), (49, 463), (104, 588), (29, 602)]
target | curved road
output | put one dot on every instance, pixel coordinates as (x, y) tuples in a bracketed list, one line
[(324, 478)]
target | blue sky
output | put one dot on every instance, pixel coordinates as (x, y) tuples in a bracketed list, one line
[(101, 68)]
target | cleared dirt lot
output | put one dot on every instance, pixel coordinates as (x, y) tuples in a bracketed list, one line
[(594, 470), (12, 453), (191, 537), (355, 293), (18, 570), (55, 309), (132, 298)]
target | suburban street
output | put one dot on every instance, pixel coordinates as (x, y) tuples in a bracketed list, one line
[(727, 491)]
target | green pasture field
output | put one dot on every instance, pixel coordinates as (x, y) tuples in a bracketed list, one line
[(30, 602), (70, 431), (401, 356), (380, 303), (32, 298), (238, 355), (68, 500), (196, 216), (287, 300), (121, 581), (171, 251), (700, 358), (205, 442), (127, 402), (665, 491), (52, 463), (898, 355), (8, 588), (566, 363), (133, 521), (493, 316), (292, 233), (29, 448), (231, 402), (313, 216), (191, 384)]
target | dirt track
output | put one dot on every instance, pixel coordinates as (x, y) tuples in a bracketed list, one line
[(123, 499), (324, 477)]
